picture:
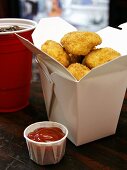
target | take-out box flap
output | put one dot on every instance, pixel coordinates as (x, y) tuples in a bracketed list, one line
[(54, 29), (90, 108), (123, 26), (112, 37)]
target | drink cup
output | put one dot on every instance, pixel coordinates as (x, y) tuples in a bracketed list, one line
[(15, 64)]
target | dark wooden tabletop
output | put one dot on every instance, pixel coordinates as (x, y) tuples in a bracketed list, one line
[(109, 153)]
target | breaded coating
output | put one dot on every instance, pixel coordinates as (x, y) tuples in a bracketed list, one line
[(56, 51), (78, 70), (100, 56), (80, 42)]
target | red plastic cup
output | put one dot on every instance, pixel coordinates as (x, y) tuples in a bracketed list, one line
[(15, 65)]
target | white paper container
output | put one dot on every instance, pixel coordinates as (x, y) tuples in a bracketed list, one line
[(46, 153), (89, 108)]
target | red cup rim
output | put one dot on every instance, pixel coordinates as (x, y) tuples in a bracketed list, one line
[(24, 23)]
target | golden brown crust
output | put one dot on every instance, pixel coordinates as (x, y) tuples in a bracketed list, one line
[(100, 56), (79, 42), (78, 52), (78, 70), (56, 51)]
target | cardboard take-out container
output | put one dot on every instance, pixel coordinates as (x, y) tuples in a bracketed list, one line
[(89, 108)]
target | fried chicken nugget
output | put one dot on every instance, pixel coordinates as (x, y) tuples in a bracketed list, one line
[(78, 70), (80, 42), (56, 51), (100, 56)]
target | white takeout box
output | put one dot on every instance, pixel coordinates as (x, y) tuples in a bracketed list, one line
[(89, 108)]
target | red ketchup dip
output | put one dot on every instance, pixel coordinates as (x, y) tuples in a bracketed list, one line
[(46, 134)]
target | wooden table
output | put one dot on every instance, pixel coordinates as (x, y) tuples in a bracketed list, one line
[(109, 153)]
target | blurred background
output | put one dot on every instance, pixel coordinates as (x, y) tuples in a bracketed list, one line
[(87, 15), (84, 14)]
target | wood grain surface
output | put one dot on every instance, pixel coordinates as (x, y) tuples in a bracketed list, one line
[(109, 153)]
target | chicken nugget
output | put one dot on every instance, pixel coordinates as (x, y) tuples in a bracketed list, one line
[(56, 51), (80, 42), (78, 70), (100, 56)]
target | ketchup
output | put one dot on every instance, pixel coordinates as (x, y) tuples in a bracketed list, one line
[(46, 134)]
